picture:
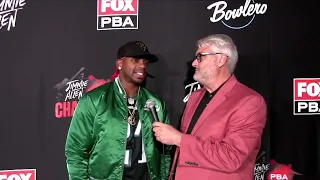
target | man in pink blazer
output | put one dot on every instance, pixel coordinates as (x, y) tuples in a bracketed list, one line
[(222, 123)]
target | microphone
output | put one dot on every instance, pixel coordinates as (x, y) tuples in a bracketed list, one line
[(151, 105)]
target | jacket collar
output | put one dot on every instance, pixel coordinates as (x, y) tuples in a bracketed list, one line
[(121, 89), (141, 98)]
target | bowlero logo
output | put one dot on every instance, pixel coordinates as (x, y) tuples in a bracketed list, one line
[(117, 14), (236, 18), (19, 174), (306, 98)]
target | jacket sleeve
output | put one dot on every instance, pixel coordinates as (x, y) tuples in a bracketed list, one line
[(79, 139), (166, 156), (244, 136)]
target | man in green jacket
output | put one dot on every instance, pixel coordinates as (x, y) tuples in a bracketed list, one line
[(110, 135)]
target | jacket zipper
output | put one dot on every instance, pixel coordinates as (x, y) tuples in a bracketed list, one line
[(125, 149)]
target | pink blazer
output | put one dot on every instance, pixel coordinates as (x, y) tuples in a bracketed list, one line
[(226, 139)]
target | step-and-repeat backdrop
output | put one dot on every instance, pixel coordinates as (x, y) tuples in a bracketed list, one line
[(52, 50)]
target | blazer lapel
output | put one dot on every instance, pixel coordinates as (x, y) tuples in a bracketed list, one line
[(191, 109), (212, 105), (215, 102)]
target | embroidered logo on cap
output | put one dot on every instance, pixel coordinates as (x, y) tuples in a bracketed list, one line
[(141, 45)]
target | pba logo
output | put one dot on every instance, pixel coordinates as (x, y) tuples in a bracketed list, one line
[(117, 14), (306, 96), (281, 171)]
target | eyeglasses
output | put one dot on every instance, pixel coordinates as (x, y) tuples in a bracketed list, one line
[(200, 55)]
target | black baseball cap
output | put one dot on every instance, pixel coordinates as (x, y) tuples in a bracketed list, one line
[(136, 49)]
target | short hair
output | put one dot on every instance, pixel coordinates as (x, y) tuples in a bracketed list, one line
[(224, 44)]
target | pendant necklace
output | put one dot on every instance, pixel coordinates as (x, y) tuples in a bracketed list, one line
[(131, 117), (131, 101)]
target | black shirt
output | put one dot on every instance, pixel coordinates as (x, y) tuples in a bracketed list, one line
[(135, 166), (202, 105)]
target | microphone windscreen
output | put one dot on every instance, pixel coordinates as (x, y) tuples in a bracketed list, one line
[(150, 103)]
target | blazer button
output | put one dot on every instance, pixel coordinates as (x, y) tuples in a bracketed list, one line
[(120, 166), (122, 142), (124, 97), (124, 118)]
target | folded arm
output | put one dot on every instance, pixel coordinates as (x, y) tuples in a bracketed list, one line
[(243, 137)]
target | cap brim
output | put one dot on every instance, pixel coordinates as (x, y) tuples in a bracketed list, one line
[(151, 57)]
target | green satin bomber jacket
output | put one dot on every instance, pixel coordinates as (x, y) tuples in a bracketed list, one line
[(96, 141)]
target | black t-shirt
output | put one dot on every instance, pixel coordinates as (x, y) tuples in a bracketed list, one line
[(135, 166)]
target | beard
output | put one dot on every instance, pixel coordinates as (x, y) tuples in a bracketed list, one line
[(132, 78), (202, 77), (137, 81)]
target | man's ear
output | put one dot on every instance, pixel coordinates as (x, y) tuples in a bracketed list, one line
[(119, 64), (222, 60)]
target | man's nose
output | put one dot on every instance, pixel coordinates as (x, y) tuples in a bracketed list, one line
[(195, 63), (141, 63)]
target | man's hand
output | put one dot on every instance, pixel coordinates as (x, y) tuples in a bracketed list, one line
[(166, 134)]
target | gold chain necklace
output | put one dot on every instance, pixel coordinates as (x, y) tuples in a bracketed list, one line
[(131, 118)]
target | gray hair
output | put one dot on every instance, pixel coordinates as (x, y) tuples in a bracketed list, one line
[(225, 45)]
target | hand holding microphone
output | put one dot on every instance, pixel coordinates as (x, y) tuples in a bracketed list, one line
[(164, 133)]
